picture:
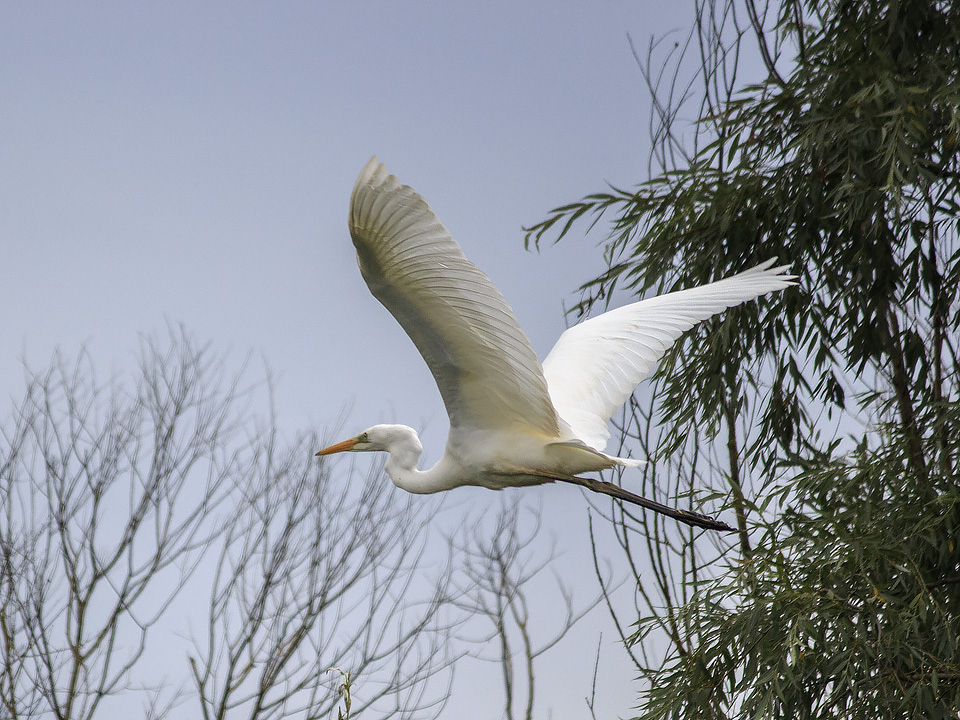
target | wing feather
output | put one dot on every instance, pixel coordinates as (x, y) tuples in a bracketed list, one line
[(485, 368), (596, 365)]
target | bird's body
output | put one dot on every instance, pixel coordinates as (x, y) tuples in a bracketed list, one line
[(513, 421), (493, 459)]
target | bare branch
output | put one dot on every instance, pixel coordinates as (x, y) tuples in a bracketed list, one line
[(106, 495), (320, 571), (498, 569)]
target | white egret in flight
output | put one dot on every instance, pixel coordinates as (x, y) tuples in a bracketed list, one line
[(513, 421)]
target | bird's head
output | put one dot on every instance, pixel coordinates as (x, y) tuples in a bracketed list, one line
[(379, 437)]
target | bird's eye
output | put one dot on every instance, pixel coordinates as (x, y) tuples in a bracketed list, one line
[(362, 437)]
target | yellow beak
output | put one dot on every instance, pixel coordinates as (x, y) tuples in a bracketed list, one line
[(339, 447)]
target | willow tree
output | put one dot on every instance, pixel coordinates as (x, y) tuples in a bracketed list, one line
[(826, 418)]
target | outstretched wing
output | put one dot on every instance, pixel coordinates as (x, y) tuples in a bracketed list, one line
[(488, 374), (596, 365)]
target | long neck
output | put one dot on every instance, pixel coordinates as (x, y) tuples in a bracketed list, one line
[(401, 466)]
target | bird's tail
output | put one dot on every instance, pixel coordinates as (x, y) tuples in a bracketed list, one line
[(626, 462), (577, 454)]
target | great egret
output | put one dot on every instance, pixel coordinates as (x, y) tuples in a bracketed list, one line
[(513, 421)]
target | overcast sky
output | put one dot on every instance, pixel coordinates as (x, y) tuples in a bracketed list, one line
[(192, 162)]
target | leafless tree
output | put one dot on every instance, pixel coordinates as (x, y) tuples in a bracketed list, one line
[(116, 499), (104, 491), (321, 573), (498, 567)]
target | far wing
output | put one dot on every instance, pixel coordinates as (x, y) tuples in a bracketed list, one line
[(488, 374), (596, 365)]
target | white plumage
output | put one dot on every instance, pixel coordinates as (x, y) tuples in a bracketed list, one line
[(512, 422), (486, 370), (596, 365)]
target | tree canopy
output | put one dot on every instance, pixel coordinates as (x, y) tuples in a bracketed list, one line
[(826, 417)]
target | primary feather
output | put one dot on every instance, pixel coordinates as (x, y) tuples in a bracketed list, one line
[(596, 365), (485, 368)]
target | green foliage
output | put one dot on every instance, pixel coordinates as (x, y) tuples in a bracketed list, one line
[(847, 609), (831, 414)]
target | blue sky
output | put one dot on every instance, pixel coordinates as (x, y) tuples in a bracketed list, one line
[(192, 162)]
